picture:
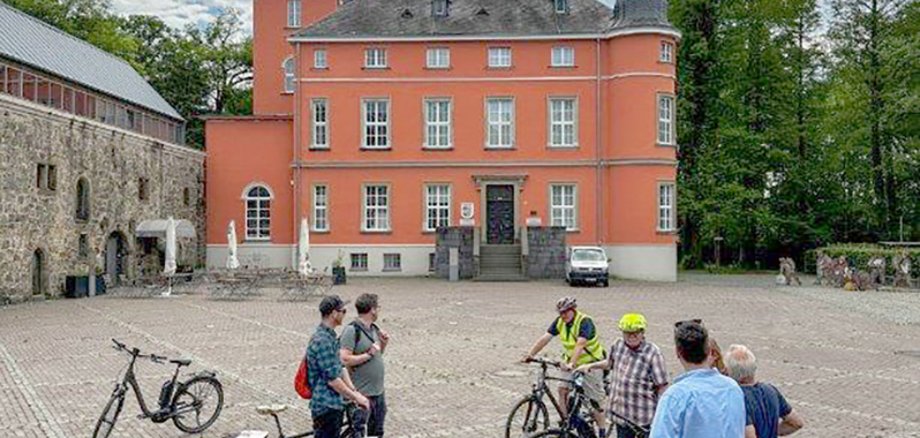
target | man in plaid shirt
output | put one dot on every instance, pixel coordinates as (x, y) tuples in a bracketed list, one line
[(328, 380), (639, 376)]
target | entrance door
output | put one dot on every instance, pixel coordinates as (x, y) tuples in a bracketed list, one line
[(38, 272), (500, 214), (114, 257)]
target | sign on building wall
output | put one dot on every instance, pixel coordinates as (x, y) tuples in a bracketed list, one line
[(466, 214)]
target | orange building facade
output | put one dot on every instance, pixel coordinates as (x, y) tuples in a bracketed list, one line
[(382, 121)]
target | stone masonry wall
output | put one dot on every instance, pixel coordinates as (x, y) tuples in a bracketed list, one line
[(112, 160), (455, 237), (546, 258)]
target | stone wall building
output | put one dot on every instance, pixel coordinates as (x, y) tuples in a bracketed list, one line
[(89, 153)]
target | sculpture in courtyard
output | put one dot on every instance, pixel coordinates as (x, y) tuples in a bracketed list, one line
[(902, 265), (877, 267), (825, 270), (787, 271)]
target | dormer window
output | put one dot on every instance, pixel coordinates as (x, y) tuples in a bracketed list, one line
[(561, 6), (439, 8)]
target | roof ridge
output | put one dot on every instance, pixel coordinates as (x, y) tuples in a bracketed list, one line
[(67, 34)]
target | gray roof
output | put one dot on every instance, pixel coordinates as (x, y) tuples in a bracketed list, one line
[(490, 18), (34, 43)]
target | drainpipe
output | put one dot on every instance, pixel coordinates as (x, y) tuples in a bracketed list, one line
[(599, 188), (295, 154)]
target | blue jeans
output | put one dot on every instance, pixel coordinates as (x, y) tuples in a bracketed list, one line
[(372, 419)]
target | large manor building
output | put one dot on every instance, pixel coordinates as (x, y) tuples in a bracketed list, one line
[(382, 121)]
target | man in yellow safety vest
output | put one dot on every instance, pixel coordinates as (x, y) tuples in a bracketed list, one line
[(581, 345)]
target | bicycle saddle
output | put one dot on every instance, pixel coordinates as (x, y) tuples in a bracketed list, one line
[(271, 410), (181, 362)]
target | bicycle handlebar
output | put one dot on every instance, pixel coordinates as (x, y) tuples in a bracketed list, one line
[(553, 363), (137, 353)]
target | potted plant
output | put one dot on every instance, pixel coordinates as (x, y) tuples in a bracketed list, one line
[(338, 271)]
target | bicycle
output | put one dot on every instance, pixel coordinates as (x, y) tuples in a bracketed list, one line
[(177, 400), (534, 411), (576, 424), (274, 410)]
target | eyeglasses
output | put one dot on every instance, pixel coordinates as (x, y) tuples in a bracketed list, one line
[(688, 321)]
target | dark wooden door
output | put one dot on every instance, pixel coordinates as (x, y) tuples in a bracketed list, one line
[(500, 214)]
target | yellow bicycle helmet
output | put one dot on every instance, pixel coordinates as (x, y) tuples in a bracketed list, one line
[(632, 322)]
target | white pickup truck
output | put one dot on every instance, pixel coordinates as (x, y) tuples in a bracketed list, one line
[(587, 265)]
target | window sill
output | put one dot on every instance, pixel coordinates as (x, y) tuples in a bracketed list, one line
[(573, 231), (666, 232), (438, 68), (563, 67), (391, 270), (251, 240), (376, 231), (287, 93), (319, 148), (490, 67), (376, 149), (438, 148), (357, 270), (563, 147), (666, 145), (319, 68), (375, 68), (666, 62), (320, 231), (500, 148), (46, 192)]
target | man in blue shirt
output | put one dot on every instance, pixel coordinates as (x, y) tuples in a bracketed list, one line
[(325, 374), (701, 403), (768, 413)]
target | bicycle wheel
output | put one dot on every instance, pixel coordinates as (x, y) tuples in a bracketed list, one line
[(556, 433), (528, 416), (109, 416), (197, 404)]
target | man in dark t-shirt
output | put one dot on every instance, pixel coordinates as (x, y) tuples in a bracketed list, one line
[(768, 413)]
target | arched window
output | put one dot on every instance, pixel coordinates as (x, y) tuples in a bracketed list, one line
[(82, 213), (288, 68), (258, 213)]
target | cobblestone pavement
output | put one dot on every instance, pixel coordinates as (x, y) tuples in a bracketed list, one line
[(848, 362)]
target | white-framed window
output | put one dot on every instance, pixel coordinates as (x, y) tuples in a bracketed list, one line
[(376, 129), (666, 206), (437, 123), (392, 262), (439, 8), (375, 57), (500, 121), (437, 206), (563, 56), (293, 13), (562, 122), (499, 57), (320, 207), (562, 206), (665, 119), (258, 213), (320, 59), (437, 57), (667, 52), (288, 68), (358, 261), (320, 119), (376, 208)]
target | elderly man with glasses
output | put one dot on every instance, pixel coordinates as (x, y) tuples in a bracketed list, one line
[(639, 376), (768, 413)]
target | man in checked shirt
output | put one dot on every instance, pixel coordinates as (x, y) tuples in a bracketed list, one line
[(639, 375)]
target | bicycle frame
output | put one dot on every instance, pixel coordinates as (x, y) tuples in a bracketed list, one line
[(347, 422), (131, 379)]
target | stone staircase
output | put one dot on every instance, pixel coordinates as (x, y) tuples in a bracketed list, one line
[(500, 263)]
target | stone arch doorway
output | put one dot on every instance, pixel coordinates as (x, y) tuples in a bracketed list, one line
[(39, 273), (116, 257)]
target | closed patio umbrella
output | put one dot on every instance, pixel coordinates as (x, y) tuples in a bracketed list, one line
[(232, 261), (170, 265), (303, 248)]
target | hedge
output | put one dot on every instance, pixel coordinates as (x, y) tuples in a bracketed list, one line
[(859, 255)]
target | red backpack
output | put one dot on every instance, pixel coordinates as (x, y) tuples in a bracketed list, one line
[(301, 382)]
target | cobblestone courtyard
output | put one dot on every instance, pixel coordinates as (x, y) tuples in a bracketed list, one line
[(848, 362)]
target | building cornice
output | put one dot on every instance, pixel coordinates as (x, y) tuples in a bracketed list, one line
[(482, 164), (658, 30)]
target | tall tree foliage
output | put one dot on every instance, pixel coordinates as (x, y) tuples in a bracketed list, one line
[(792, 137)]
